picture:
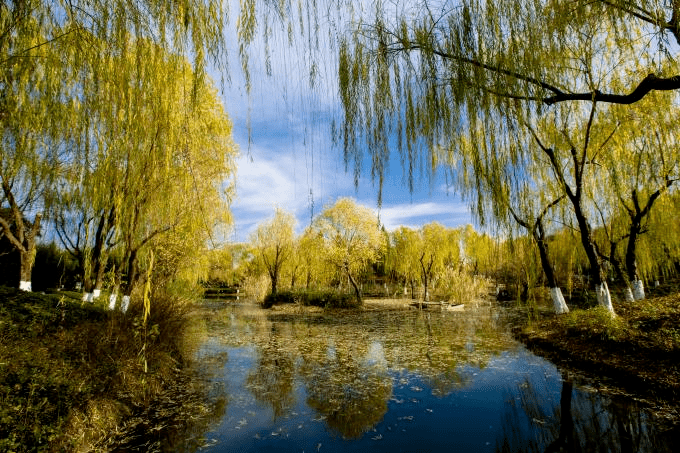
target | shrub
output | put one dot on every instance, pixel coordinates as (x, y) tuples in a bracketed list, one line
[(461, 287), (329, 299), (71, 373), (596, 322), (315, 298), (281, 297)]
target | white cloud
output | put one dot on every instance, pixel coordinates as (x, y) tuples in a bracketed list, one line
[(277, 174), (416, 214)]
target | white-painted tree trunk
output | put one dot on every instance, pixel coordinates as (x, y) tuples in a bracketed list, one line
[(25, 286), (125, 304), (628, 295), (96, 293), (112, 301), (87, 297), (558, 301), (604, 298), (638, 290)]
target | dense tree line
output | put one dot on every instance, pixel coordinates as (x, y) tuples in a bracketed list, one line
[(346, 248)]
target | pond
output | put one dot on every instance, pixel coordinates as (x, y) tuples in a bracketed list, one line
[(399, 381)]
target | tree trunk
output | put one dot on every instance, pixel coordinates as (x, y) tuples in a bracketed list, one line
[(357, 290), (426, 272), (604, 298), (23, 240), (117, 278), (99, 276), (555, 291), (628, 294), (293, 278), (275, 280), (638, 289), (133, 276), (26, 259), (575, 197), (596, 272)]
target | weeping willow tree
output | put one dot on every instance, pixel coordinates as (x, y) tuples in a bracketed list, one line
[(44, 46), (351, 238), (274, 240), (402, 257), (642, 168), (520, 199), (175, 162), (32, 115), (150, 167), (422, 76), (188, 28)]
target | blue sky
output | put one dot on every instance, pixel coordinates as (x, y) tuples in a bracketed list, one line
[(289, 158)]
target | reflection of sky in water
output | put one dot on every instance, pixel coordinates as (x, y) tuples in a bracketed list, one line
[(512, 403), (376, 355)]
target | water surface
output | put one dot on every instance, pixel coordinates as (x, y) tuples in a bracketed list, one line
[(400, 381)]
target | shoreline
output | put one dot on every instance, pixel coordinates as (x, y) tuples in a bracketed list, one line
[(637, 354), (624, 359)]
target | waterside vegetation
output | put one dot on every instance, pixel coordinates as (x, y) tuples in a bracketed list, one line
[(75, 376), (635, 352)]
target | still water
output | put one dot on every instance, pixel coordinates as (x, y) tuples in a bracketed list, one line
[(399, 381)]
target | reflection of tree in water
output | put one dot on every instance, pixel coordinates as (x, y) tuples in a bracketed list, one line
[(351, 394), (439, 345), (582, 422), (272, 380), (344, 381)]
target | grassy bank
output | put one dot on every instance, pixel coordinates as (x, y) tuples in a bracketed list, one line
[(76, 377), (638, 351)]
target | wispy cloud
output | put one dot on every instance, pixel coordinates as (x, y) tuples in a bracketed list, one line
[(415, 215), (278, 175)]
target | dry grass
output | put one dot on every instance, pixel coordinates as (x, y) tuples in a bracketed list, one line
[(387, 304)]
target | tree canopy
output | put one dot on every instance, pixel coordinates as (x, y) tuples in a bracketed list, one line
[(352, 238)]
